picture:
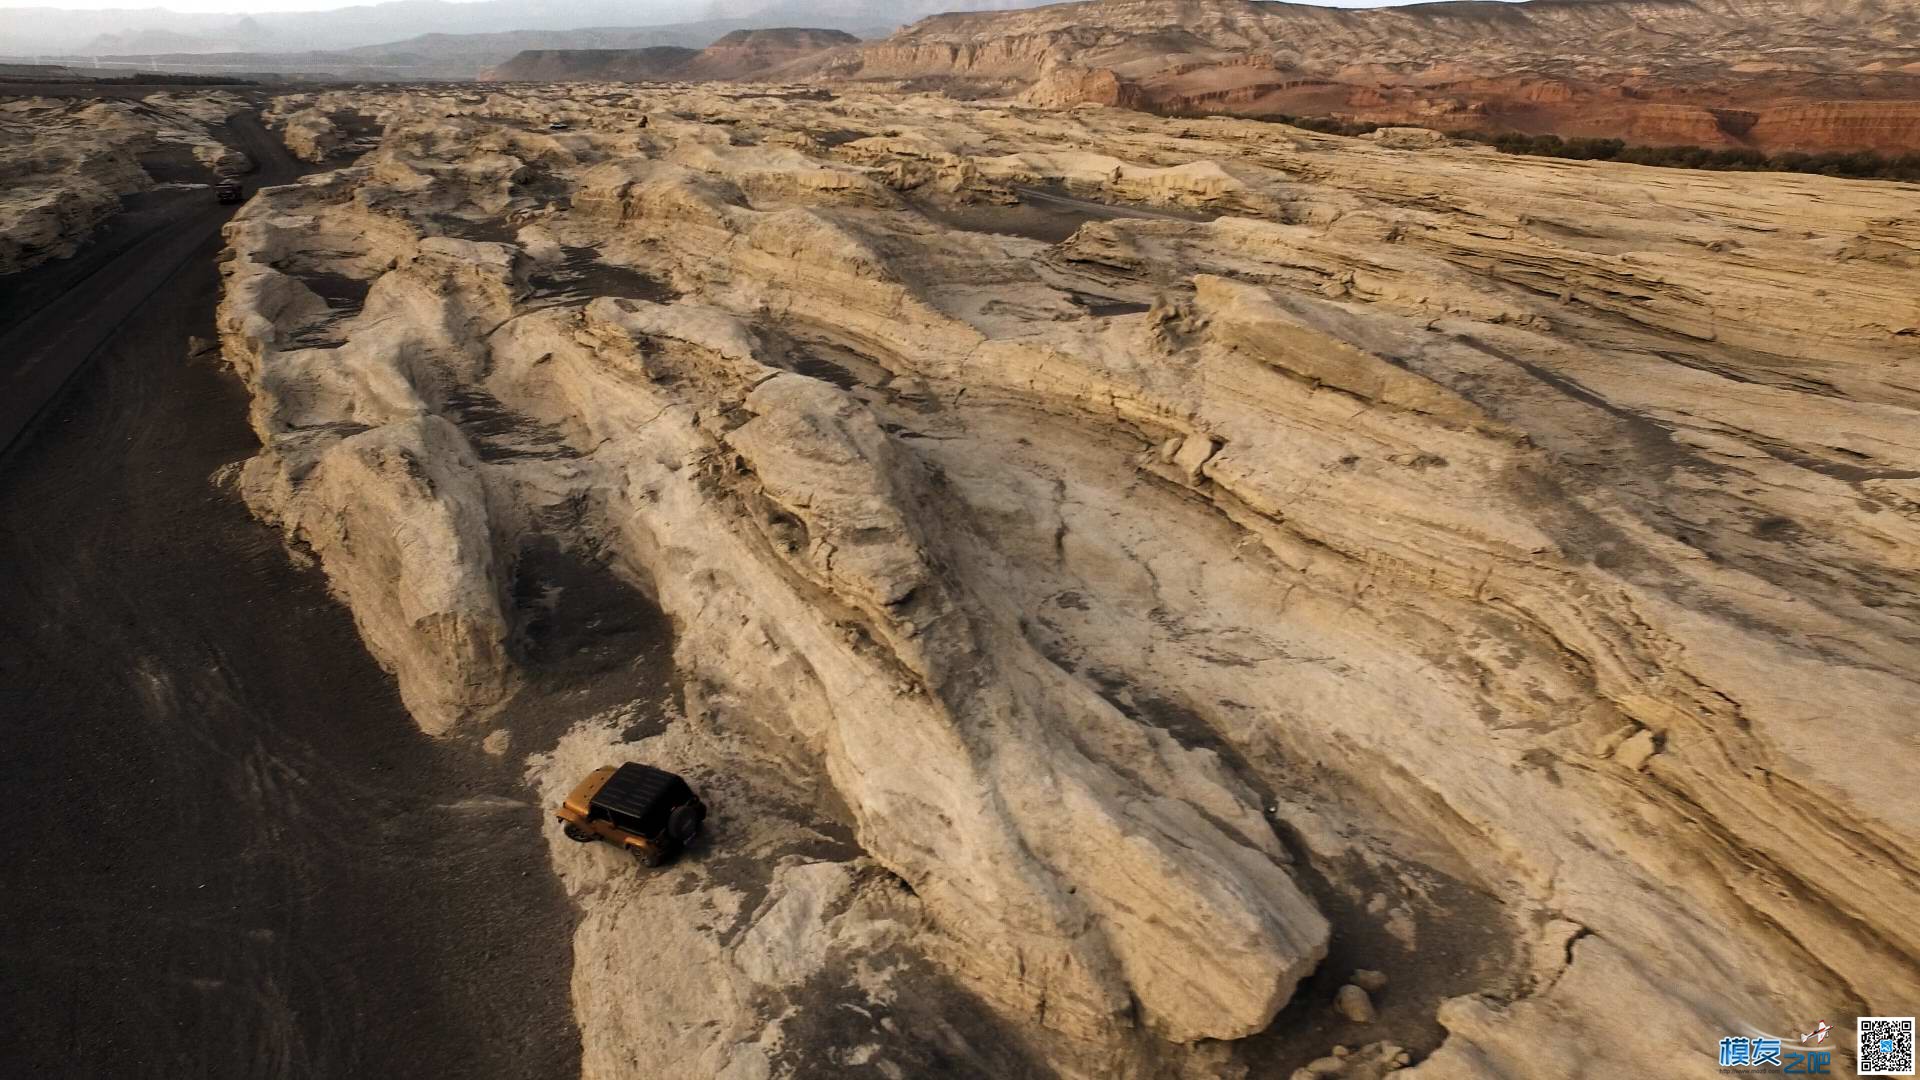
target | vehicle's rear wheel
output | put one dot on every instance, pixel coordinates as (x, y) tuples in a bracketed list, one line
[(576, 834)]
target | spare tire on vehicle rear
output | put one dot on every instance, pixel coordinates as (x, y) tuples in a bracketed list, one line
[(684, 825)]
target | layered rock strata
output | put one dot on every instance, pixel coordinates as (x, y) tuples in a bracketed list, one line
[(1185, 562), (1816, 75)]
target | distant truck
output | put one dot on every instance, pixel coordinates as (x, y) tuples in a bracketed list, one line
[(229, 191), (649, 813)]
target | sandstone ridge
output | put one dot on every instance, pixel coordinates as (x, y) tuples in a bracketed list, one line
[(1129, 574)]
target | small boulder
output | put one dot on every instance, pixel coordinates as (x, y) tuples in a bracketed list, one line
[(1407, 138), (1193, 455), (1635, 752), (1371, 981), (1353, 1003)]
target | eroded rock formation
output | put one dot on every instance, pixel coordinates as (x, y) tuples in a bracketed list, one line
[(1129, 575), (1826, 75), (65, 164)]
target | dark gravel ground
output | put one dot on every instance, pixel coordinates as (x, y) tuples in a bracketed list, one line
[(225, 850)]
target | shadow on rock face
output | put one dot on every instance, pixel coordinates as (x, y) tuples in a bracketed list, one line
[(588, 641), (931, 1027)]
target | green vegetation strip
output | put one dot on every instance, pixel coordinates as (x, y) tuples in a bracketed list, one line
[(1856, 164)]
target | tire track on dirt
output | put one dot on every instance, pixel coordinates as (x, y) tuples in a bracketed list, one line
[(225, 849)]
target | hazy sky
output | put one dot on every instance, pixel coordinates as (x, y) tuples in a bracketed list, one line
[(192, 5), (321, 5)]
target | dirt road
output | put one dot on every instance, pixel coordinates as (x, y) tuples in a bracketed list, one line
[(225, 850), (55, 316)]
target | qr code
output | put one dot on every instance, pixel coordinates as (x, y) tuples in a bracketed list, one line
[(1886, 1046)]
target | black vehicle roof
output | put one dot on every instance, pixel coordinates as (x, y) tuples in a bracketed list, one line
[(643, 793)]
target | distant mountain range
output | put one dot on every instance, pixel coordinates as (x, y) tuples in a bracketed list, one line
[(450, 56), (52, 31), (1769, 75), (743, 54)]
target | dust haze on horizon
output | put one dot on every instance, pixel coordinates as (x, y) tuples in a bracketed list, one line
[(259, 7), (31, 29)]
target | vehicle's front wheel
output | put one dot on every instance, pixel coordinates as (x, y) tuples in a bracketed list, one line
[(576, 834)]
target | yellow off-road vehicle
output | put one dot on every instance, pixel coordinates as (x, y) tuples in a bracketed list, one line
[(649, 813)]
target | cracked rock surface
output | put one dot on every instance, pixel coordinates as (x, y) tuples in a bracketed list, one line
[(1129, 574)]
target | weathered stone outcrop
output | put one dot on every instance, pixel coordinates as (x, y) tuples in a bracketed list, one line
[(1465, 559), (1889, 126), (320, 128), (65, 164), (1071, 85)]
